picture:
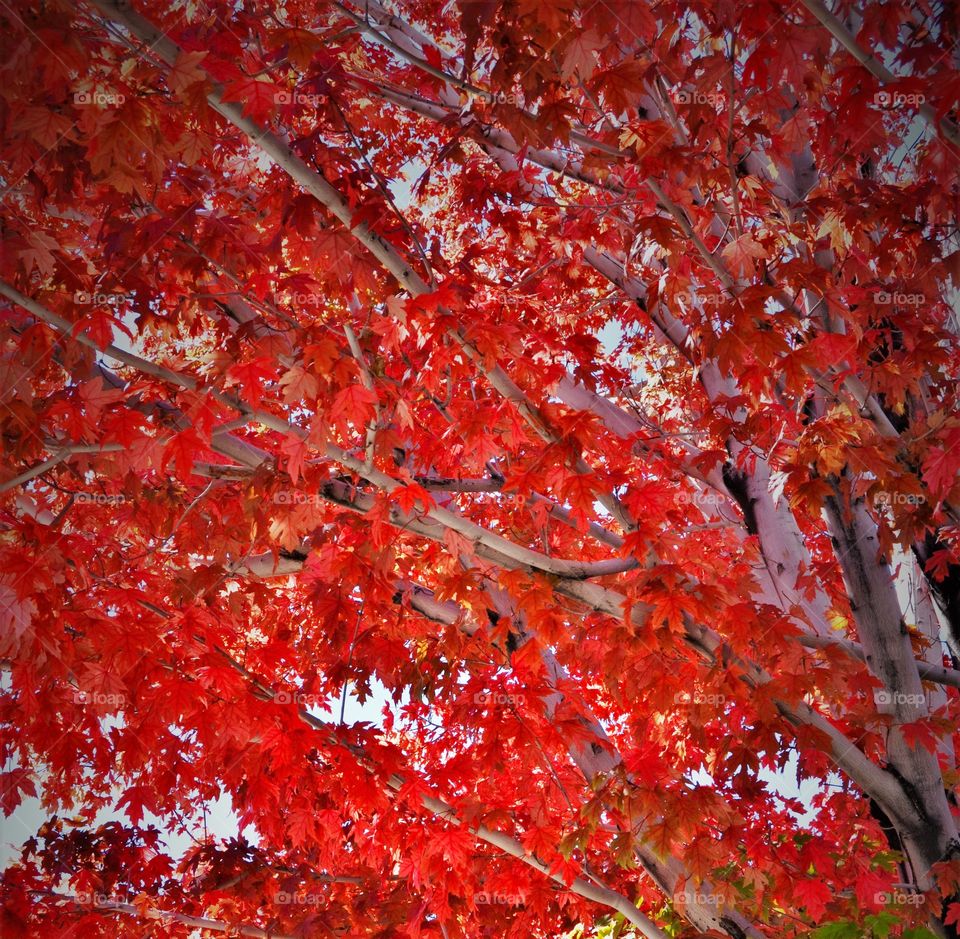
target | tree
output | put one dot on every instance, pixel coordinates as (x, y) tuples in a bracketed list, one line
[(582, 374)]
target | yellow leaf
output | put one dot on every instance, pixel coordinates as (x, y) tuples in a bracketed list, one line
[(837, 621)]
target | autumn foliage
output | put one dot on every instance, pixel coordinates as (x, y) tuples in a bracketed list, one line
[(579, 377)]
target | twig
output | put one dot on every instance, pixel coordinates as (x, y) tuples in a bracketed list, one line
[(367, 378)]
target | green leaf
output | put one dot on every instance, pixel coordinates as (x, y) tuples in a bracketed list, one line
[(845, 929), (880, 924)]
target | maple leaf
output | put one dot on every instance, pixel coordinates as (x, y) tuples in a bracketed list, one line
[(454, 845), (938, 564), (136, 799), (260, 97), (445, 295), (670, 607), (580, 56), (920, 733), (813, 895), (354, 403), (44, 125), (296, 450), (301, 45), (186, 71), (541, 842), (623, 85), (96, 397), (194, 145), (298, 385), (301, 824), (637, 18), (16, 615), (939, 472), (409, 494), (844, 929), (320, 356), (14, 784), (250, 375), (741, 253), (39, 254), (871, 888), (182, 448)]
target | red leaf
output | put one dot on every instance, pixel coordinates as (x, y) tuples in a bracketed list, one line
[(354, 403), (250, 376), (407, 496), (939, 471), (741, 254), (813, 896), (14, 784), (259, 97), (186, 71), (296, 451)]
